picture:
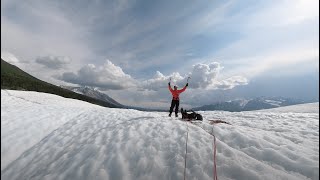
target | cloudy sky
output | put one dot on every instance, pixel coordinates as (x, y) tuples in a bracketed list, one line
[(130, 48)]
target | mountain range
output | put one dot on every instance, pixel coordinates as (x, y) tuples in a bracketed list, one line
[(94, 93), (250, 104), (232, 106)]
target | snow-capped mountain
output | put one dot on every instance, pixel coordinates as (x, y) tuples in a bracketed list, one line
[(45, 136), (250, 104), (94, 93)]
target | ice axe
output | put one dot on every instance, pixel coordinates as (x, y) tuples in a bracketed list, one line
[(188, 79)]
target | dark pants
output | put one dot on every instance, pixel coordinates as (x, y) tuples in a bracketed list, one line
[(174, 103)]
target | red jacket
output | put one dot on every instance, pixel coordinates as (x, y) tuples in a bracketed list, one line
[(175, 93)]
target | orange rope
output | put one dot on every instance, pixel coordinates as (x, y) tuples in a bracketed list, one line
[(185, 156), (214, 158)]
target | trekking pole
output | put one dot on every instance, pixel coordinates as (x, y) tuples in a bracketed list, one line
[(188, 79)]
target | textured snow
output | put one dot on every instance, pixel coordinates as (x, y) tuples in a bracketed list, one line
[(44, 136)]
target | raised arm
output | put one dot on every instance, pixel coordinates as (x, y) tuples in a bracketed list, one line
[(169, 86), (183, 89)]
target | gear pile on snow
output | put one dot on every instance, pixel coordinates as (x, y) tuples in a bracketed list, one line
[(191, 116)]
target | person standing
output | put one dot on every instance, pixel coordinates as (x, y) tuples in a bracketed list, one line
[(175, 98)]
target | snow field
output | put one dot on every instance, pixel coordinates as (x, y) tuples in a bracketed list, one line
[(45, 136)]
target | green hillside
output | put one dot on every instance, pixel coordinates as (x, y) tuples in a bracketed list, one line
[(15, 79)]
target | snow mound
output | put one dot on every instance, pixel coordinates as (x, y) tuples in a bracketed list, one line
[(45, 136)]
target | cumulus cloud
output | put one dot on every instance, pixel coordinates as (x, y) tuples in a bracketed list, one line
[(107, 77), (231, 82), (112, 77), (53, 62), (203, 76), (161, 81)]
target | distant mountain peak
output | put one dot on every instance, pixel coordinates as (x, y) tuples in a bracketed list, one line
[(89, 88), (94, 93)]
